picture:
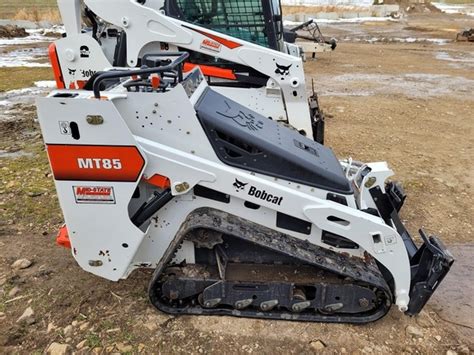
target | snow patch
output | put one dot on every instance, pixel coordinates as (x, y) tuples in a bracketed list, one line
[(49, 84), (417, 85), (17, 92), (56, 29), (358, 3), (35, 36), (342, 20), (27, 57), (439, 41), (467, 9), (25, 96), (32, 38), (24, 58), (461, 60)]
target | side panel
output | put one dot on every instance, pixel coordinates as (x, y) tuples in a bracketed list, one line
[(80, 57), (96, 176)]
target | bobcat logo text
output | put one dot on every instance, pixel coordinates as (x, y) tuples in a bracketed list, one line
[(257, 193)]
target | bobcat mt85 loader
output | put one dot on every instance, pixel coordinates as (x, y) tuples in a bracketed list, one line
[(236, 213)]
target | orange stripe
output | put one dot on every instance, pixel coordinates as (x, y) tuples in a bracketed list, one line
[(53, 57), (95, 163), (211, 71)]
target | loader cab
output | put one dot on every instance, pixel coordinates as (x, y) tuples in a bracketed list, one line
[(255, 21)]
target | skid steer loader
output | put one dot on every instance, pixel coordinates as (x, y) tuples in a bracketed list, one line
[(237, 214), (249, 62), (255, 21)]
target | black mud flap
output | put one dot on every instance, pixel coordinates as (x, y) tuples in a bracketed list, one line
[(429, 266), (429, 263)]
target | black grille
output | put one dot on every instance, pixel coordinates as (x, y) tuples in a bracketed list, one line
[(242, 19)]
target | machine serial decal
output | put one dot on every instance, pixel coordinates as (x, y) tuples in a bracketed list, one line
[(211, 45), (94, 194), (95, 163), (255, 192), (282, 69)]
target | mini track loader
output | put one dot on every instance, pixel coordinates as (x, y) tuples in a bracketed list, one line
[(236, 213)]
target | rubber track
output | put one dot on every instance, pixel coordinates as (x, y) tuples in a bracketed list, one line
[(363, 272)]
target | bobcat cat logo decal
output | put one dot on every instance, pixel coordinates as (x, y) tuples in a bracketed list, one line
[(239, 185), (282, 69), (242, 119)]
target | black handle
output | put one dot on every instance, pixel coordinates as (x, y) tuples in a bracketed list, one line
[(124, 73), (148, 209)]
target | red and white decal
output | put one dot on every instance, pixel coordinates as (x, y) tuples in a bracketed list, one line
[(95, 162), (211, 45), (225, 42), (94, 194)]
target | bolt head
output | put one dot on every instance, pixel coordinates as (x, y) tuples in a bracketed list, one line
[(364, 302), (70, 55)]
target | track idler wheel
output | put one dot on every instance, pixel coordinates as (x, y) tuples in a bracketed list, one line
[(241, 304), (208, 303), (268, 305), (299, 295), (331, 308)]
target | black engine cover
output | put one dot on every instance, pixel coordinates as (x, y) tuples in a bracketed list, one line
[(245, 139)]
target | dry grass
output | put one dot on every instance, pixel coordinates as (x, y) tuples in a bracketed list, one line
[(32, 10), (17, 78), (35, 14)]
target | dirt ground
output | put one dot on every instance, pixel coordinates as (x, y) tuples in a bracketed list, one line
[(410, 104)]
